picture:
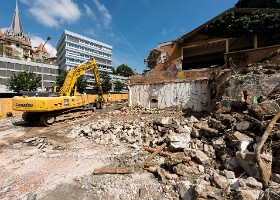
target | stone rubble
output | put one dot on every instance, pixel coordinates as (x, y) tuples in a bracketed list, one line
[(213, 154), (216, 158)]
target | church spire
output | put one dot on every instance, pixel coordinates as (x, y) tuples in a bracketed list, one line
[(16, 26)]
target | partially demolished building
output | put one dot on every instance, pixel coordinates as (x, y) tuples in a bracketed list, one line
[(182, 70)]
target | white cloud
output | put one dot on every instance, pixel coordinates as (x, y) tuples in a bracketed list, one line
[(107, 18), (36, 41), (90, 32), (89, 12), (167, 32), (52, 13)]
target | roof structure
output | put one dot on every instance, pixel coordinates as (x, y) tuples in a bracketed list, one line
[(41, 48), (15, 32), (16, 26)]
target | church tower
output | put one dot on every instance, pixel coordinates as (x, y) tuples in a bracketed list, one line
[(16, 26), (15, 43), (16, 29)]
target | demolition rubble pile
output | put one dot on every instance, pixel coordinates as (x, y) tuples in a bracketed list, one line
[(232, 153)]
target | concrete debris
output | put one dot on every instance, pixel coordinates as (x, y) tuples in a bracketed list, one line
[(218, 148), (229, 174), (220, 182), (179, 141), (250, 182), (247, 194), (185, 189), (243, 125), (232, 152), (40, 142), (208, 155), (201, 157), (207, 192)]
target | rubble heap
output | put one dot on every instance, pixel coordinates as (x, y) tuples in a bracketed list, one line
[(232, 153), (220, 151)]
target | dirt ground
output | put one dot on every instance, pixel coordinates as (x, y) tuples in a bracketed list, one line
[(62, 168)]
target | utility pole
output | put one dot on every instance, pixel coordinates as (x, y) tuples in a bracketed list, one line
[(42, 79)]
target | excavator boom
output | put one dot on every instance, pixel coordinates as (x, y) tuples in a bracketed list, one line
[(75, 73)]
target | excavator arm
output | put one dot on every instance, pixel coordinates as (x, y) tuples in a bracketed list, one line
[(75, 73), (64, 105)]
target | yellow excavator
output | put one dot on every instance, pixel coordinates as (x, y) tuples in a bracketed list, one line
[(52, 106)]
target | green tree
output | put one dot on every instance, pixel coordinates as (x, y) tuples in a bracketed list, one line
[(81, 82), (24, 81), (124, 70), (106, 82), (61, 78), (114, 71), (8, 51), (257, 4), (118, 86)]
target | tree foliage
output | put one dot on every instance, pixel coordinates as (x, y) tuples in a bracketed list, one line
[(61, 78), (234, 25), (24, 81), (106, 82), (257, 4), (124, 70), (118, 86), (114, 71), (81, 82)]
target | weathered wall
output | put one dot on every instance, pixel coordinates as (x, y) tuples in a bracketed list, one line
[(192, 95), (172, 74)]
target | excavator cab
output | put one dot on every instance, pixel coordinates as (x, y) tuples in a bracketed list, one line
[(55, 88)]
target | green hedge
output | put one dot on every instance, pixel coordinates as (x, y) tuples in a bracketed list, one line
[(234, 25)]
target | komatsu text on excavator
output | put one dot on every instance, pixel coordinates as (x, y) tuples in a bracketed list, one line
[(49, 107)]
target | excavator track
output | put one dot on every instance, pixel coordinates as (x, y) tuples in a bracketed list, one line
[(49, 118)]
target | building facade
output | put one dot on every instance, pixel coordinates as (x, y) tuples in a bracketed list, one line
[(16, 55), (73, 49), (9, 66)]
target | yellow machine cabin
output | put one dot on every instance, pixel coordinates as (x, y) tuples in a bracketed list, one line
[(50, 106)]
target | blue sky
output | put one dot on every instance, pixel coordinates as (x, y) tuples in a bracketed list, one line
[(132, 27)]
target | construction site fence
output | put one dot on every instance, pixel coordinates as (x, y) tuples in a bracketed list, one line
[(6, 109)]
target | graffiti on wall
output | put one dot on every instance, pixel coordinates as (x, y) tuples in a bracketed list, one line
[(162, 58)]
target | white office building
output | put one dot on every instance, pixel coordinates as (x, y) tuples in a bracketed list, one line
[(73, 49)]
